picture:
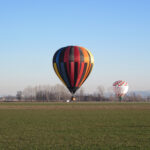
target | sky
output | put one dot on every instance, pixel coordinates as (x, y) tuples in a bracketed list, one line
[(116, 32)]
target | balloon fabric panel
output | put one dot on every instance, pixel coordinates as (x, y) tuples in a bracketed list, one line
[(57, 72), (65, 76)]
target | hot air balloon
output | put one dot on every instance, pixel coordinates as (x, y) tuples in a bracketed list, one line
[(120, 88), (73, 64)]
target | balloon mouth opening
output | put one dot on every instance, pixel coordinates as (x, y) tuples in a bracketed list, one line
[(73, 89)]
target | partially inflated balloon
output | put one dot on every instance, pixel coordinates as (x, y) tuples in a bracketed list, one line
[(73, 64), (120, 88)]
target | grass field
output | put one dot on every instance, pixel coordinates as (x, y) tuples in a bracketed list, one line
[(74, 126)]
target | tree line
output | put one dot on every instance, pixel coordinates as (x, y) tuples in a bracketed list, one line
[(47, 93)]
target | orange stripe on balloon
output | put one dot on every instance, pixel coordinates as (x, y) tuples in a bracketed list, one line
[(89, 69), (90, 60), (85, 53), (86, 60), (86, 73), (80, 74)]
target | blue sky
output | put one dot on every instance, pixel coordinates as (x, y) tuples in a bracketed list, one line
[(116, 32)]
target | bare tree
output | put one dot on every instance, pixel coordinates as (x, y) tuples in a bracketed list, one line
[(80, 94), (100, 92), (19, 95)]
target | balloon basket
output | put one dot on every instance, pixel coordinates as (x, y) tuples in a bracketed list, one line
[(120, 98), (73, 99)]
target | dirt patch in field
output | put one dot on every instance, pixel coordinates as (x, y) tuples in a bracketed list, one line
[(77, 107)]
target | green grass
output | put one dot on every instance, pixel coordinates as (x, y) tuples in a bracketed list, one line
[(75, 126)]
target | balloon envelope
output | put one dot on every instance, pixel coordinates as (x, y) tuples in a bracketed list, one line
[(73, 64), (120, 88)]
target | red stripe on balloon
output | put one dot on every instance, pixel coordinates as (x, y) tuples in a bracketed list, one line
[(66, 54), (78, 69), (72, 74), (66, 59), (77, 59), (121, 83), (76, 54), (80, 74)]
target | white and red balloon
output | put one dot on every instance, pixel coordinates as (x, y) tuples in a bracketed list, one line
[(120, 88)]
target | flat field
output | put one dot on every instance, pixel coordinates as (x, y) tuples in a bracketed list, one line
[(74, 126)]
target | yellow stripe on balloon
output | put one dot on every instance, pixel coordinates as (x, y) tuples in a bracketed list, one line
[(92, 57), (57, 72)]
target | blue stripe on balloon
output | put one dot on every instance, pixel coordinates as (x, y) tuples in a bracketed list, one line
[(57, 60), (58, 55), (63, 71)]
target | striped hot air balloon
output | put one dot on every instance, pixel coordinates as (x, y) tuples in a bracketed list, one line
[(73, 64), (120, 88)]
